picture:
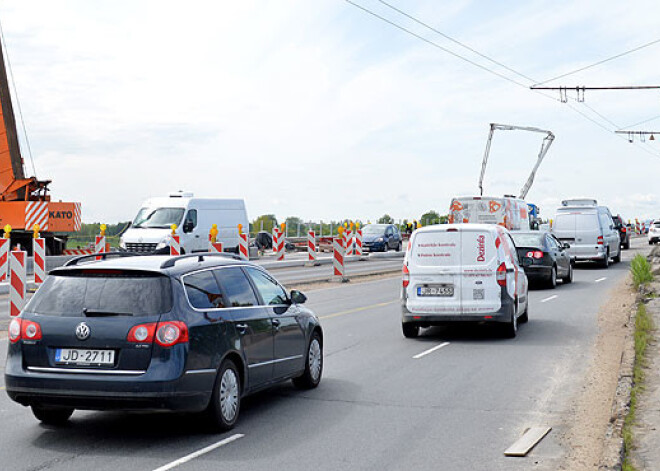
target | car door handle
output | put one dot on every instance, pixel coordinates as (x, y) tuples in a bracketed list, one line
[(242, 328)]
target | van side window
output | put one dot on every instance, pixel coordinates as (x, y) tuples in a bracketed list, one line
[(203, 291), (237, 288), (271, 293), (191, 220), (606, 221)]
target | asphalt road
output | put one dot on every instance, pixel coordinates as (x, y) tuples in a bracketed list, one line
[(385, 402)]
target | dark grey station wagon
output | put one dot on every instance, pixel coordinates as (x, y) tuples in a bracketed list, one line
[(188, 333)]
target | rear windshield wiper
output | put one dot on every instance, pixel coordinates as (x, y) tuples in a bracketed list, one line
[(97, 313)]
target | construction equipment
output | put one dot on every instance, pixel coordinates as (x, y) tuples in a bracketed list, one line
[(25, 202), (545, 145)]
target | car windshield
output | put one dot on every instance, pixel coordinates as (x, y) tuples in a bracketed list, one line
[(105, 292), (158, 218), (527, 240), (374, 229)]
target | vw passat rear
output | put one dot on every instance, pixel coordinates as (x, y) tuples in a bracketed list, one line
[(189, 333), (462, 273)]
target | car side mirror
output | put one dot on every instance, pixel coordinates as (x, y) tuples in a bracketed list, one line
[(297, 297), (566, 245), (188, 226)]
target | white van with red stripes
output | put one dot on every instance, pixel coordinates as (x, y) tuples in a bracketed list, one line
[(462, 272)]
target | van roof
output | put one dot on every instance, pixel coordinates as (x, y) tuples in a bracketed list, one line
[(462, 228), (184, 201)]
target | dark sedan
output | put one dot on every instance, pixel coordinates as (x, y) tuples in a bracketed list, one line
[(624, 232), (544, 257), (189, 333), (381, 238)]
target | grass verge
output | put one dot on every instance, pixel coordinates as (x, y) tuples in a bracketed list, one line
[(641, 270), (643, 335)]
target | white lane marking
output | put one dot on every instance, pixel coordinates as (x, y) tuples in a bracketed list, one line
[(430, 350), (199, 453), (600, 279), (550, 298)]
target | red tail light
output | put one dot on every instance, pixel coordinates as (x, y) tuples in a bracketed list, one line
[(21, 329), (600, 240), (406, 276), (166, 334), (143, 333), (535, 254), (171, 333), (623, 229), (501, 274)]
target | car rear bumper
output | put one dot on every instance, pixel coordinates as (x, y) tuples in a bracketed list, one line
[(538, 272), (501, 315), (374, 246)]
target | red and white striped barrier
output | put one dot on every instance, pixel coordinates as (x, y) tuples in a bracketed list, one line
[(348, 234), (4, 259), (99, 245), (276, 237), (358, 242), (311, 246), (643, 228), (78, 252), (175, 245), (39, 253), (281, 246), (338, 257), (17, 281), (243, 246), (215, 247)]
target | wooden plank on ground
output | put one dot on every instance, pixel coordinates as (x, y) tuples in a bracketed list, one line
[(528, 441)]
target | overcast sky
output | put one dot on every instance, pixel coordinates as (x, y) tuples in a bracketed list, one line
[(316, 109)]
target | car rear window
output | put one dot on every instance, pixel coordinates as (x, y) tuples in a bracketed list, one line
[(105, 292), (527, 240)]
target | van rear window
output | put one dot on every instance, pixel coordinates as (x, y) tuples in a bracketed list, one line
[(104, 292)]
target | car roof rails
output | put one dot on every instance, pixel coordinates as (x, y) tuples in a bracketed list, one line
[(103, 255), (169, 263)]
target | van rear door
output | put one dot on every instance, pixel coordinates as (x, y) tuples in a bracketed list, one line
[(480, 291), (434, 263)]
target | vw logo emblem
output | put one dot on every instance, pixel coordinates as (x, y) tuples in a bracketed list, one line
[(83, 331)]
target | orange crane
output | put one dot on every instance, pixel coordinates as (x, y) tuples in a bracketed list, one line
[(25, 202)]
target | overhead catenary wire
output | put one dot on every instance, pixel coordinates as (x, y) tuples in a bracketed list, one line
[(653, 118), (616, 56), (515, 82), (18, 102)]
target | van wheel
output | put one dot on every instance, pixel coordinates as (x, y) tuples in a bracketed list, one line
[(410, 330), (552, 281), (510, 329), (569, 277), (524, 317), (606, 261), (226, 398), (52, 415), (617, 259)]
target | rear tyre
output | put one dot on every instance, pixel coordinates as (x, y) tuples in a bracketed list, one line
[(52, 415), (569, 277), (399, 247), (226, 398), (524, 317), (510, 329), (617, 259), (313, 365), (626, 246), (552, 281), (410, 330), (606, 261)]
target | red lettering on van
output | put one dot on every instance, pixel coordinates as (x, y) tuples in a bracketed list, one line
[(481, 248)]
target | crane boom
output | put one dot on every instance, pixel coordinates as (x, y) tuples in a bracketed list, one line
[(545, 145)]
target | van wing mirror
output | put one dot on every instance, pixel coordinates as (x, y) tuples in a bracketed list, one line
[(566, 245), (188, 226)]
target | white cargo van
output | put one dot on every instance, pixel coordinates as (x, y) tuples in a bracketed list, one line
[(151, 228), (462, 272), (589, 231), (507, 211)]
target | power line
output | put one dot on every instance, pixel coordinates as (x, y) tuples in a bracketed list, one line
[(456, 41), (643, 122), (600, 62), (434, 44)]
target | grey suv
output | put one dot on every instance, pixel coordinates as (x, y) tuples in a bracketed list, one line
[(189, 333)]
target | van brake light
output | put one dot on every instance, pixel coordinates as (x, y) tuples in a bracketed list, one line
[(501, 274), (600, 240), (406, 276)]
